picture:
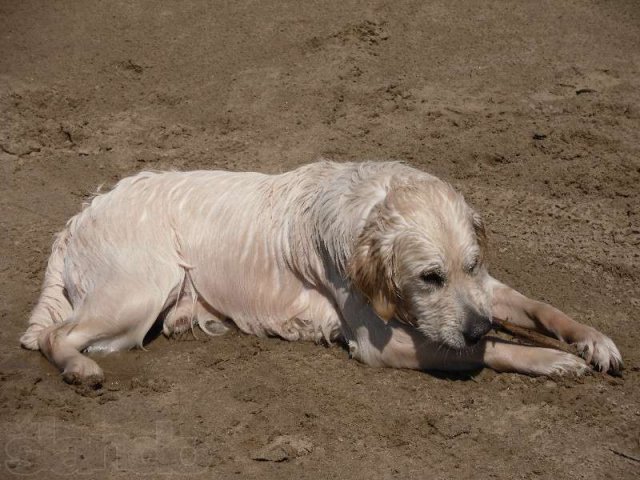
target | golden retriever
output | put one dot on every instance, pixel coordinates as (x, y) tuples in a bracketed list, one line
[(385, 258)]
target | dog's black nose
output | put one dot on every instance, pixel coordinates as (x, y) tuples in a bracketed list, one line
[(475, 326)]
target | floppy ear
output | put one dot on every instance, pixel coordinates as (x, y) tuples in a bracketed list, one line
[(371, 267)]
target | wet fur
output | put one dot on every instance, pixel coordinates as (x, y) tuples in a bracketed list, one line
[(326, 252)]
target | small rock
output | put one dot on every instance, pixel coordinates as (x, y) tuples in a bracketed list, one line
[(283, 448)]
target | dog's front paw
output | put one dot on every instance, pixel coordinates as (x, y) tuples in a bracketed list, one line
[(598, 350), (561, 363)]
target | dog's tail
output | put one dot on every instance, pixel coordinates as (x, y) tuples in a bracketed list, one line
[(53, 305)]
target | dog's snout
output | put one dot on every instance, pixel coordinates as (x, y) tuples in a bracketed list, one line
[(475, 326)]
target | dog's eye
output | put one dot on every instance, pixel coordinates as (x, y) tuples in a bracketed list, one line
[(433, 279), (471, 267)]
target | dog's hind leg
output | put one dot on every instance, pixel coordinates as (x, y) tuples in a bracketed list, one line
[(111, 318), (188, 312), (180, 317), (210, 321)]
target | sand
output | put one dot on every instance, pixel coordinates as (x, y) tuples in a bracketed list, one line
[(531, 109)]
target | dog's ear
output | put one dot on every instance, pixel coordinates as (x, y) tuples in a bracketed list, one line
[(481, 234), (371, 267), (384, 307)]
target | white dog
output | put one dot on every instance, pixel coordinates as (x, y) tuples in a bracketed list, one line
[(383, 257)]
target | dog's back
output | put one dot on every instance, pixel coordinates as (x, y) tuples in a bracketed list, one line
[(247, 246)]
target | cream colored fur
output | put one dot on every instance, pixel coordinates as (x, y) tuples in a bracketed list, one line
[(386, 258)]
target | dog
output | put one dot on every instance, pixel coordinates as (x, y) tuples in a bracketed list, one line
[(385, 258)]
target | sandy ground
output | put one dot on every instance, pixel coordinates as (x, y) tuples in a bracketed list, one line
[(532, 109)]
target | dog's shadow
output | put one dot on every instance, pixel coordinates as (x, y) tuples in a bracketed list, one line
[(466, 376), (156, 329)]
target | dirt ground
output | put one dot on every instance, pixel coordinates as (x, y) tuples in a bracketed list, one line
[(532, 109)]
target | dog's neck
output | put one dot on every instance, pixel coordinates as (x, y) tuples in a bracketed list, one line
[(337, 199)]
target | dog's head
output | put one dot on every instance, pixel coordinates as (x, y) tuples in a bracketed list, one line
[(421, 259)]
